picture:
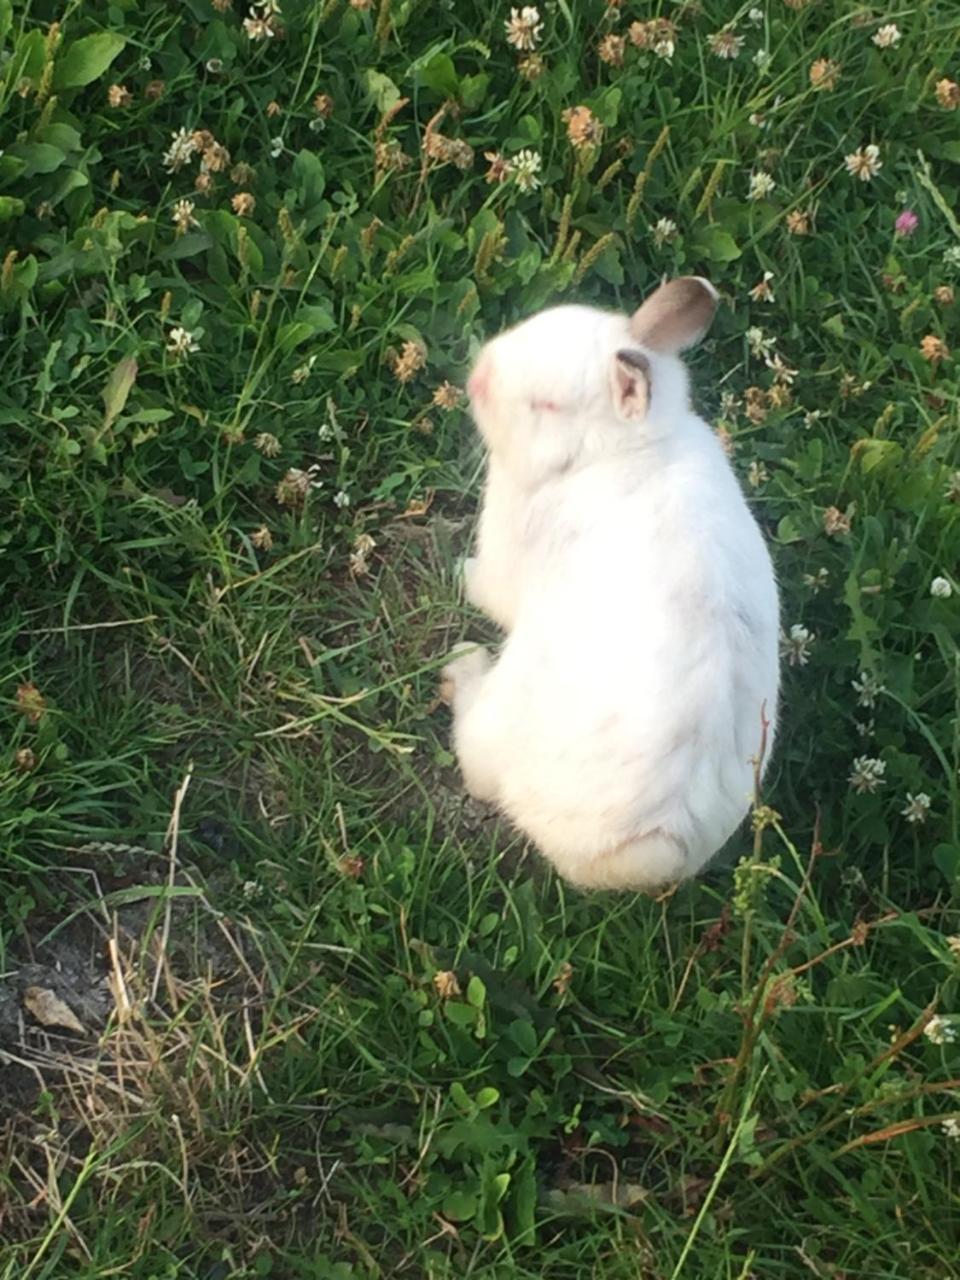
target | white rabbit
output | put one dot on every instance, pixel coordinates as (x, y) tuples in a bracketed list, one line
[(621, 725)]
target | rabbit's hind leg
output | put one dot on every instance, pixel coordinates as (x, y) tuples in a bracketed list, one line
[(651, 863)]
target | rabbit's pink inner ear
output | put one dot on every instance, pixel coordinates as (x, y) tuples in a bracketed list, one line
[(676, 315), (631, 384)]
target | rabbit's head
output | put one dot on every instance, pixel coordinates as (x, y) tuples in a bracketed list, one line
[(573, 382)]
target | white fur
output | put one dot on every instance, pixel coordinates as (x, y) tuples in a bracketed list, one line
[(619, 726)]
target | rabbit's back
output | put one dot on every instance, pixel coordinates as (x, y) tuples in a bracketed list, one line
[(643, 660)]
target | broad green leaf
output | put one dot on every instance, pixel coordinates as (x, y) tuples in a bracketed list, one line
[(716, 245), (461, 1015), (788, 530), (476, 992), (523, 1036), (11, 167), (39, 157), (118, 388), (525, 1200), (290, 336), (86, 60), (879, 453), (28, 57), (459, 1097), (10, 207), (63, 136), (440, 75), (69, 180), (459, 1206), (473, 90), (309, 178), (319, 318), (382, 90), (946, 858)]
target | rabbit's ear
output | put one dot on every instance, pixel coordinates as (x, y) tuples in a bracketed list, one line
[(676, 315), (631, 384)]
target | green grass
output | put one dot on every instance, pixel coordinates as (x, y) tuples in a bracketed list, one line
[(338, 1020)]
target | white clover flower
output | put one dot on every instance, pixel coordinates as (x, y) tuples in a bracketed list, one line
[(940, 1031), (524, 28), (664, 48), (864, 163), (755, 17), (951, 1129), (941, 588), (888, 37), (757, 475), (951, 256), (725, 44), (525, 166), (257, 29), (276, 147), (730, 404), (180, 342), (795, 645), (761, 185), (302, 372), (868, 688), (324, 432), (296, 484), (341, 499), (784, 373), (181, 149), (867, 773), (760, 344), (182, 216), (763, 292), (762, 59), (664, 231), (261, 26), (917, 807)]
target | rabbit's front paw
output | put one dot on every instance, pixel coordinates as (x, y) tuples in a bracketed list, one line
[(468, 662)]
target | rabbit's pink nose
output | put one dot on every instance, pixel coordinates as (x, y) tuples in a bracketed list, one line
[(478, 384)]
